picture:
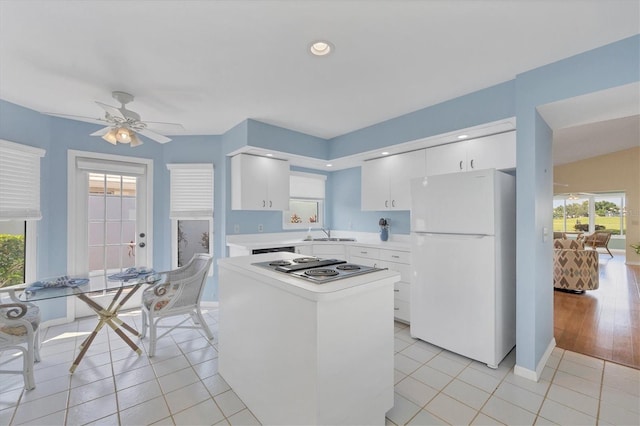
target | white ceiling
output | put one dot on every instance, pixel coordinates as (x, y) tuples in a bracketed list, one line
[(212, 64)]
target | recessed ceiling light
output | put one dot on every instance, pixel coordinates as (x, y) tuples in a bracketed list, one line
[(463, 136), (321, 48), (329, 165), (384, 153)]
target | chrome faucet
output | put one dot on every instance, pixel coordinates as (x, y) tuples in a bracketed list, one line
[(327, 231)]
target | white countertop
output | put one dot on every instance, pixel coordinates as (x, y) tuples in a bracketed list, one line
[(284, 239), (330, 290)]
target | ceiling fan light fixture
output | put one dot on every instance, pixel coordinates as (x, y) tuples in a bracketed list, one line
[(135, 141), (123, 135), (110, 137)]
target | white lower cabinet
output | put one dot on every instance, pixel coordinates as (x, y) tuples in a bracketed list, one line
[(329, 251), (395, 260), (306, 250)]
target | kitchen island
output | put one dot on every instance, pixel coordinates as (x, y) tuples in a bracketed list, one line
[(297, 352)]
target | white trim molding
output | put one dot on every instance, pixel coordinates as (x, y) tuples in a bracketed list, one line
[(535, 375)]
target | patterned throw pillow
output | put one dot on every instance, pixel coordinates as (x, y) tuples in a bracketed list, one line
[(568, 244)]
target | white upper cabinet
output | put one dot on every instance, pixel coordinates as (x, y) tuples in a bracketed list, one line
[(386, 180), (490, 152), (259, 183)]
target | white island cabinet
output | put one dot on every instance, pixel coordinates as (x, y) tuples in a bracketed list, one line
[(302, 353)]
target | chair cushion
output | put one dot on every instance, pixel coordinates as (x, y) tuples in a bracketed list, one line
[(568, 244), (32, 315), (149, 297)]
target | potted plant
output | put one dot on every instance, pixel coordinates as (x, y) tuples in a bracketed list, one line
[(636, 247)]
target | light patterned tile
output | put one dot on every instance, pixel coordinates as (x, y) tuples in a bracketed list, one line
[(434, 378), (56, 418), (170, 365), (451, 410), (623, 378), (399, 344), (402, 410), (507, 413), (146, 413), (97, 389), (178, 379), (92, 410), (570, 398), (621, 399), (577, 384), (446, 364), (418, 353), (134, 377), (563, 415), (40, 407), (615, 415), (540, 387), (581, 370), (186, 397), (216, 384), (398, 376), (243, 418), (405, 364), (484, 420), (588, 361), (206, 412), (415, 391), (137, 394), (523, 398), (207, 368), (426, 418), (229, 403), (479, 379), (467, 394)]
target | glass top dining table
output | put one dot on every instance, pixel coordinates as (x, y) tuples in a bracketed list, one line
[(120, 286)]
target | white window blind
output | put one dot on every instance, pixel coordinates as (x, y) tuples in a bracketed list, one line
[(191, 190), (19, 181), (105, 166), (306, 185)]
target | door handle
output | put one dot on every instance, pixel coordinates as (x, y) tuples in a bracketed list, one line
[(270, 203), (472, 164), (386, 203), (460, 164), (264, 203), (393, 203)]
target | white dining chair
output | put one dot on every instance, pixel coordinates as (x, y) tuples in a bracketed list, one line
[(20, 330), (178, 293)]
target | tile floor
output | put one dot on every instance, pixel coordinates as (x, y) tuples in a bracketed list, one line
[(181, 386)]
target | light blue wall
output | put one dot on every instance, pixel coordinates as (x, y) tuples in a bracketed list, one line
[(606, 67), (484, 106), (345, 203)]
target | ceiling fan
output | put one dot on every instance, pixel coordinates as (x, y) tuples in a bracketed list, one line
[(123, 125)]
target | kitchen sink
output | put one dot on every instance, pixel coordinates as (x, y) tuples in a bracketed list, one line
[(334, 239)]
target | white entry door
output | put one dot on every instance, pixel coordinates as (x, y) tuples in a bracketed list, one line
[(110, 221)]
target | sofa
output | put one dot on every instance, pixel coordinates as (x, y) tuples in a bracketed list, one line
[(574, 268)]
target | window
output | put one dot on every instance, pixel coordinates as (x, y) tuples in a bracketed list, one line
[(306, 202), (191, 211), (19, 211), (589, 213)]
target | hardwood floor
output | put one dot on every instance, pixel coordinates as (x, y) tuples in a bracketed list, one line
[(603, 323)]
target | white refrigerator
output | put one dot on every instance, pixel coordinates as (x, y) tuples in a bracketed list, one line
[(463, 263)]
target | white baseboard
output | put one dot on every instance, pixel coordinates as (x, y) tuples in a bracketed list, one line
[(535, 375)]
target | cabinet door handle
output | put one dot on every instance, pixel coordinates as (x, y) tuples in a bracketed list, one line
[(270, 203), (472, 164), (364, 252), (396, 309), (264, 203), (397, 291), (460, 164), (386, 203), (395, 256), (393, 203)]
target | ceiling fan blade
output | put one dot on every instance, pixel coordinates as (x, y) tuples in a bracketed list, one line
[(101, 132), (78, 118), (162, 124), (112, 111), (154, 136)]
